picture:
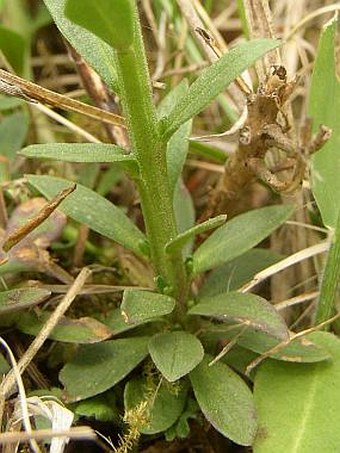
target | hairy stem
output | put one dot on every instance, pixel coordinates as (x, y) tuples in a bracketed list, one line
[(150, 152)]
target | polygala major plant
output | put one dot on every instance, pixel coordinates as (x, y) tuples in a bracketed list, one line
[(167, 330)]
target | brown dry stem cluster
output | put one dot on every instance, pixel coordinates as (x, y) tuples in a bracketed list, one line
[(266, 127)]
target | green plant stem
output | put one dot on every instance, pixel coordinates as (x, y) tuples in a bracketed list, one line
[(150, 152), (330, 280)]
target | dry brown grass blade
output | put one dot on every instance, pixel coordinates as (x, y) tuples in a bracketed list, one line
[(20, 233), (78, 432), (259, 20), (13, 85)]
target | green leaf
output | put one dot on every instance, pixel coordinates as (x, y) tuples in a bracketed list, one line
[(249, 309), (213, 80), (7, 103), (163, 409), (17, 299), (82, 152), (239, 358), (181, 427), (235, 273), (225, 400), (95, 51), (167, 104), (101, 408), (177, 150), (298, 350), (175, 354), (141, 306), (238, 236), (13, 47), (83, 331), (98, 367), (178, 145), (184, 212), (324, 108), (117, 323), (299, 405), (181, 240), (113, 22), (89, 208), (13, 131)]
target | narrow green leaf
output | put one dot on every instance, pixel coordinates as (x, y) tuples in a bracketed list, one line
[(82, 152), (95, 51), (213, 80), (225, 400), (175, 353), (249, 309), (89, 208), (182, 239), (238, 236), (235, 273), (83, 331), (13, 47), (324, 108), (17, 299), (299, 404), (113, 22), (177, 150), (163, 410), (167, 104), (140, 306), (98, 367), (184, 212), (178, 145)]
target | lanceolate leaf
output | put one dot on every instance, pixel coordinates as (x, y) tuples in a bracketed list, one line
[(177, 147), (184, 212), (113, 22), (299, 404), (237, 272), (95, 51), (89, 208), (81, 331), (239, 235), (82, 152), (183, 238), (98, 367), (164, 407), (214, 80), (298, 350), (225, 400), (324, 108), (18, 299), (175, 353), (253, 311), (139, 306)]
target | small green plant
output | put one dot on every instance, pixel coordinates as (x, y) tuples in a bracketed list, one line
[(187, 344)]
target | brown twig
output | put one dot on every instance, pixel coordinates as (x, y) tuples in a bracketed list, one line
[(13, 85), (20, 233)]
